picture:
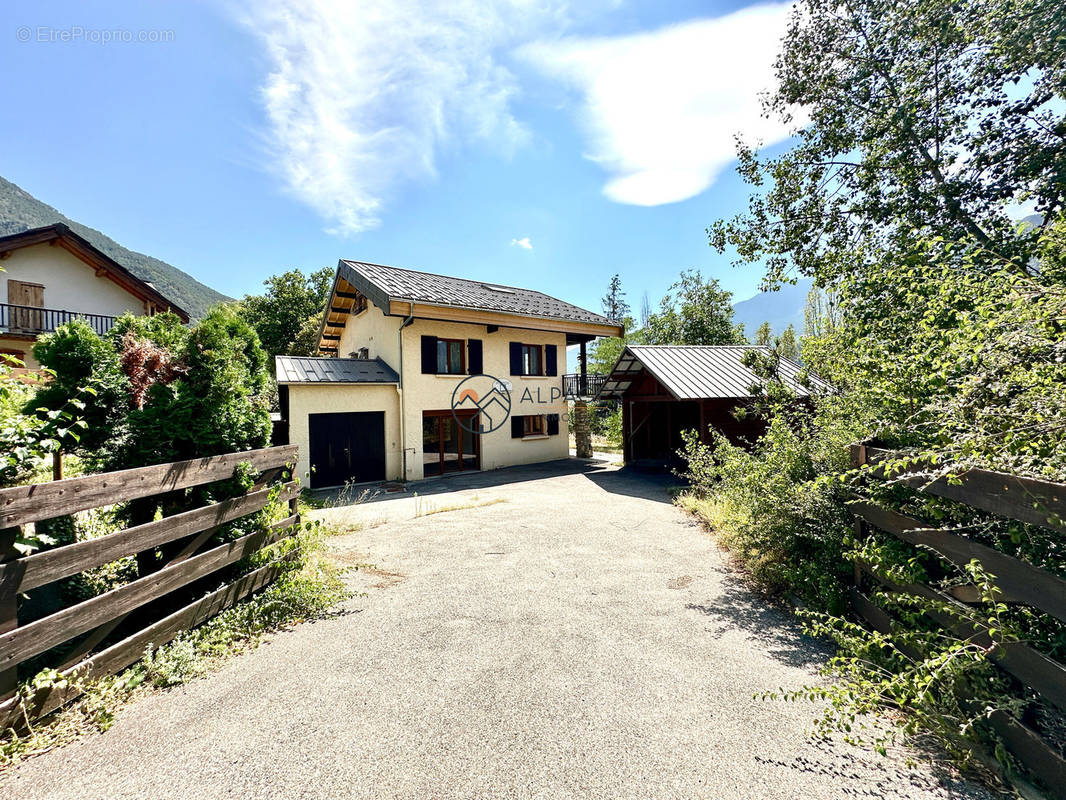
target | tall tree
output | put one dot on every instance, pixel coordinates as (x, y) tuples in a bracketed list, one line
[(763, 334), (787, 345), (695, 311), (281, 311), (927, 119), (615, 307), (821, 314)]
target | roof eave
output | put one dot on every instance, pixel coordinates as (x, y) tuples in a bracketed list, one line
[(82, 248)]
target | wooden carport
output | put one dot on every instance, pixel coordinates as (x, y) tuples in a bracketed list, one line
[(667, 389)]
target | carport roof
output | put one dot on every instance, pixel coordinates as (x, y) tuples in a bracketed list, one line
[(302, 369), (691, 372)]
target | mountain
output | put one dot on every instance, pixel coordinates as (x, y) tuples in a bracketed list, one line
[(19, 210), (780, 308)]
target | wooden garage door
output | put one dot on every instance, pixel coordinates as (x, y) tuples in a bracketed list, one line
[(346, 447)]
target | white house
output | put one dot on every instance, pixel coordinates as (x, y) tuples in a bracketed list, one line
[(427, 374), (52, 275)]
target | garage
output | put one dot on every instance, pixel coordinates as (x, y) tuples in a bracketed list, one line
[(665, 390), (346, 447), (343, 413)]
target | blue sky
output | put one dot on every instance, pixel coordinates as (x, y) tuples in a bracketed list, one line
[(434, 135)]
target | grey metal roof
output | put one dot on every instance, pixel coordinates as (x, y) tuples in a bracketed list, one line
[(302, 369), (382, 283), (691, 372)]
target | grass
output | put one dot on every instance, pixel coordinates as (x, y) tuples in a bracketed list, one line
[(600, 444), (309, 589), (425, 509)]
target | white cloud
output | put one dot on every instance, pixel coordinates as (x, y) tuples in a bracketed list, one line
[(524, 243), (662, 109), (361, 97)]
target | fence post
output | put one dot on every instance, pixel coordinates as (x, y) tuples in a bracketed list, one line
[(9, 584)]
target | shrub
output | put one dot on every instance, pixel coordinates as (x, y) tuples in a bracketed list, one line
[(784, 525)]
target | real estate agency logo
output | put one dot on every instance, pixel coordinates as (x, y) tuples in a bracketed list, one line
[(488, 397)]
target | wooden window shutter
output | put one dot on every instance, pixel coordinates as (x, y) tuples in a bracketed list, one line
[(517, 424), (20, 293), (516, 358), (474, 362), (429, 355), (553, 424), (551, 359)]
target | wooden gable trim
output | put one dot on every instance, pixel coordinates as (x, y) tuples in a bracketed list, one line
[(103, 266)]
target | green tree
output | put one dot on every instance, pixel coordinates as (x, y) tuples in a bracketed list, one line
[(219, 403), (787, 345), (764, 334), (695, 311), (821, 314), (76, 358), (604, 352), (306, 341), (927, 119), (615, 307), (279, 314)]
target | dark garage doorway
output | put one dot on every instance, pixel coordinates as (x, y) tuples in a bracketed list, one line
[(346, 447)]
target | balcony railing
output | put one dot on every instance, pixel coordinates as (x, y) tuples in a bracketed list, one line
[(582, 387), (31, 320)]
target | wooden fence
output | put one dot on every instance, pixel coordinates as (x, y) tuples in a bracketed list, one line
[(182, 535), (1023, 499)]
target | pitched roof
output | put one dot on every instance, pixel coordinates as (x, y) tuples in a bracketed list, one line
[(456, 299), (425, 287), (302, 369), (698, 372), (90, 254)]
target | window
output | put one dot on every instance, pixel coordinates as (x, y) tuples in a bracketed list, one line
[(532, 360), (450, 357), (533, 425)]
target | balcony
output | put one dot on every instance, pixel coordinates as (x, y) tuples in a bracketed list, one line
[(31, 321), (582, 387)]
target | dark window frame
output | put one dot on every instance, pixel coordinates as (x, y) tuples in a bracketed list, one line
[(539, 349), (534, 425), (447, 357)]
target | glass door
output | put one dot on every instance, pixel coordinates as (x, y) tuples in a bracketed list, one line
[(448, 446)]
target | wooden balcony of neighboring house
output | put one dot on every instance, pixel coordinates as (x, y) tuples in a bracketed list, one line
[(31, 321), (582, 387)]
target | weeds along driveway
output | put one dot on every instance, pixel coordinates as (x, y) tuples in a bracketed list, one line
[(572, 635)]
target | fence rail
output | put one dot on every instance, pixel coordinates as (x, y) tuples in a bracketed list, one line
[(185, 536), (1014, 497), (32, 320)]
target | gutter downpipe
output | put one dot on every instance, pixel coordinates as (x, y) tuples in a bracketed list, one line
[(399, 390)]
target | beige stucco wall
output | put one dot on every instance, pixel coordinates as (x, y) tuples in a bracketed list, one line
[(374, 331), (69, 283), (434, 392), (310, 398), (21, 347), (380, 334)]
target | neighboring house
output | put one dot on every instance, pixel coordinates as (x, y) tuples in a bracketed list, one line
[(52, 275), (402, 342), (667, 389)]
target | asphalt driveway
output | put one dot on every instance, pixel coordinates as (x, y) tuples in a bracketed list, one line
[(570, 635)]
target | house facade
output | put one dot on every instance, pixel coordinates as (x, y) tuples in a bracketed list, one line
[(51, 275), (426, 374)]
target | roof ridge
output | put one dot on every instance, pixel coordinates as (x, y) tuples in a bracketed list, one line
[(455, 278)]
